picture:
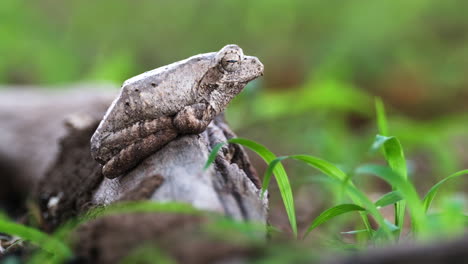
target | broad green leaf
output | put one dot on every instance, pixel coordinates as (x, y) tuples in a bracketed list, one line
[(331, 213), (388, 199), (427, 201), (279, 172), (405, 188), (36, 237)]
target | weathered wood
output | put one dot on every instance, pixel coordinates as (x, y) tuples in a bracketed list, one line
[(67, 180), (230, 186), (32, 120)]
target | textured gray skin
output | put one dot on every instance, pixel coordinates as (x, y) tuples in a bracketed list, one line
[(155, 107)]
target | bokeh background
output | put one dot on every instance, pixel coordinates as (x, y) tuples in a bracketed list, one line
[(325, 61)]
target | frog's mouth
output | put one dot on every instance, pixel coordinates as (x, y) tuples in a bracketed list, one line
[(253, 66), (246, 75)]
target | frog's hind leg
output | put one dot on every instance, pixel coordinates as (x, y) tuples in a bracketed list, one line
[(104, 148), (133, 154)]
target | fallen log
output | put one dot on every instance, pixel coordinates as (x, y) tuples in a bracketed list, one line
[(67, 181)]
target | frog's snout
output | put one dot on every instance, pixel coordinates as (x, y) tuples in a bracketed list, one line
[(256, 66)]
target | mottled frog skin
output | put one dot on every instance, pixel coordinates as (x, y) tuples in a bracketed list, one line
[(155, 107)]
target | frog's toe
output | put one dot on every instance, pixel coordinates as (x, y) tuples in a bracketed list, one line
[(110, 172)]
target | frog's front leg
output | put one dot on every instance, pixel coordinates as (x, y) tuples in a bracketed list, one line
[(139, 141), (194, 119)]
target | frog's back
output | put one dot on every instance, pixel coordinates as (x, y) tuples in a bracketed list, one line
[(160, 92)]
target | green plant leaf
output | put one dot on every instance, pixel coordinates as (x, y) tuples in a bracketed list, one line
[(388, 199), (279, 172), (228, 229), (137, 207), (353, 232), (393, 153), (405, 188), (396, 160), (324, 166), (429, 197), (379, 234), (213, 153), (43, 240), (381, 117), (335, 174), (147, 253), (331, 213), (64, 231)]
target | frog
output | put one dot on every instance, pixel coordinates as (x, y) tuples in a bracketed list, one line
[(157, 106)]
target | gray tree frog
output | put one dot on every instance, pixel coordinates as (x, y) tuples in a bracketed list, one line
[(155, 107)]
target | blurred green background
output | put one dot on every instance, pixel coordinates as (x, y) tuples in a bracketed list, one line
[(325, 61)]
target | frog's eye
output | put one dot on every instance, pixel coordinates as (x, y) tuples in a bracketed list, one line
[(230, 62)]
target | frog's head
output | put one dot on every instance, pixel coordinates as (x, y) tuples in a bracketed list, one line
[(235, 66), (229, 71)]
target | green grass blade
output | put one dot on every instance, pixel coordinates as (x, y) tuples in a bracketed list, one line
[(63, 232), (393, 153), (229, 229), (147, 253), (354, 232), (137, 207), (322, 165), (429, 197), (145, 207), (388, 199), (379, 234), (406, 189), (36, 237), (381, 117), (213, 153), (279, 172), (335, 174), (269, 172), (280, 175), (331, 213)]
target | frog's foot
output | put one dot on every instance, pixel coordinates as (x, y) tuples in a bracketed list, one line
[(133, 154), (193, 119)]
